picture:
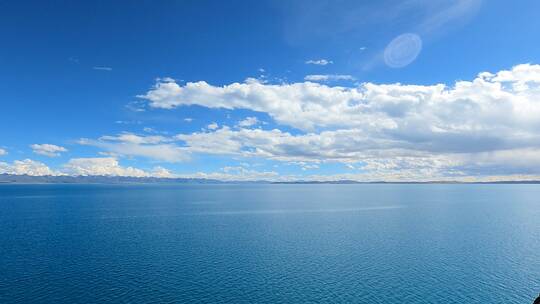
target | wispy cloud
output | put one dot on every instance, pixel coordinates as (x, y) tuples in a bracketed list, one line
[(329, 77), (102, 68), (152, 147), (128, 122), (136, 106), (350, 17), (319, 62)]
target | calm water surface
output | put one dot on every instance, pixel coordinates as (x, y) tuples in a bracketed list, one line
[(269, 243)]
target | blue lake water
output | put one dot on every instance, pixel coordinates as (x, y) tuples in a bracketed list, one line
[(269, 243)]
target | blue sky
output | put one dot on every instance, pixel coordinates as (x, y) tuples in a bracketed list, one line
[(365, 90)]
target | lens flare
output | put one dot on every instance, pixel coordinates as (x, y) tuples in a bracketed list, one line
[(403, 50)]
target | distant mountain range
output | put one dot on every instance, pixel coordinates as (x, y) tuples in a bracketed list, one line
[(408, 182), (28, 179)]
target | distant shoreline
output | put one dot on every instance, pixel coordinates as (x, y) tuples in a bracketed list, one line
[(115, 180)]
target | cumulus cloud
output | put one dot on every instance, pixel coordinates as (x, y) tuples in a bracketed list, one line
[(248, 122), (3, 152), (468, 127), (328, 77), (491, 110), (27, 167), (299, 104), (212, 126), (108, 166), (161, 172), (319, 62), (48, 149)]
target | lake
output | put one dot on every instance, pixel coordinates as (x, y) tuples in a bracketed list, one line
[(263, 243)]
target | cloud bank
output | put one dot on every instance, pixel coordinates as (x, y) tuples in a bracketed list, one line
[(480, 129), (108, 166), (469, 127), (104, 166), (497, 109), (26, 167)]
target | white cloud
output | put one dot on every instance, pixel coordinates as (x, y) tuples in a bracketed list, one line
[(376, 158), (302, 105), (491, 108), (48, 149), (108, 166), (319, 62), (130, 145), (305, 165), (26, 167), (188, 119), (161, 172), (136, 106), (102, 68), (135, 139), (328, 77), (212, 126), (484, 127), (236, 174), (128, 122), (345, 146), (111, 167), (493, 112), (3, 152), (248, 122)]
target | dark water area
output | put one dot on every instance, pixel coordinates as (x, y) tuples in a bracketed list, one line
[(269, 243)]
